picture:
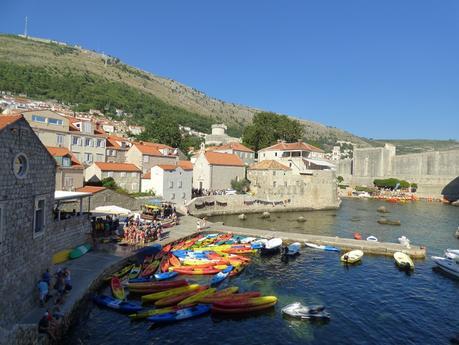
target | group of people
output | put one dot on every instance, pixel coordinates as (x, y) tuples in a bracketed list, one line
[(105, 226), (204, 192), (141, 232), (62, 284)]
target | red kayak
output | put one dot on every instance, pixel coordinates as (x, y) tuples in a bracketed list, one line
[(230, 298), (174, 300), (195, 271), (357, 236), (163, 252), (158, 285)]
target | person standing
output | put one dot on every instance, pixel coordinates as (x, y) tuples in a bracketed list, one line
[(44, 290)]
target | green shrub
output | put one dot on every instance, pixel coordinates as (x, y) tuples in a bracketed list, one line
[(241, 186)]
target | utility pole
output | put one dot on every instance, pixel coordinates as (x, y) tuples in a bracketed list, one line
[(25, 27)]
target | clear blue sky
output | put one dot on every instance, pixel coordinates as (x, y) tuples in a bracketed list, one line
[(380, 69)]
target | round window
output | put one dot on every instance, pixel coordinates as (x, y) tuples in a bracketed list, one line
[(20, 165)]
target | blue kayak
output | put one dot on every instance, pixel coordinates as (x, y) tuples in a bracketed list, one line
[(141, 280), (181, 314), (257, 245), (110, 302), (293, 249), (165, 275), (221, 276), (332, 249)]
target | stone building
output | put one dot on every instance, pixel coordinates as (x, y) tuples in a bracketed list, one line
[(69, 171), (147, 155), (172, 182), (102, 196), (298, 156), (215, 171), (116, 149), (219, 136), (125, 175), (247, 155), (29, 232), (80, 136)]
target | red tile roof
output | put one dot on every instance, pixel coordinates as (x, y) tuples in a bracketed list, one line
[(228, 159), (117, 167), (147, 175), (301, 146), (148, 150), (64, 152), (91, 189), (268, 165), (6, 120), (230, 146), (185, 165), (168, 167)]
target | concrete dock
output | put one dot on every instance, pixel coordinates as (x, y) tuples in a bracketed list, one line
[(368, 247)]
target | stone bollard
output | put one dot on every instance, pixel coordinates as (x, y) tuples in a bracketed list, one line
[(265, 215), (242, 216), (301, 219)]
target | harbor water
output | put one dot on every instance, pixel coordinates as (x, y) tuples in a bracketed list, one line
[(369, 303)]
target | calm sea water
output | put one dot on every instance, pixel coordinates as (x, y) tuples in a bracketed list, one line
[(371, 303)]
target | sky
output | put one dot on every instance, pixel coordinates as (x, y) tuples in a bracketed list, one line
[(379, 69)]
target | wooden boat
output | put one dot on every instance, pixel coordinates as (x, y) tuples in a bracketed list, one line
[(117, 289), (403, 260), (352, 257)]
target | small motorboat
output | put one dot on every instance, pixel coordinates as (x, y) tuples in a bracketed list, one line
[(258, 244), (403, 260), (453, 251), (272, 246), (300, 311), (372, 238), (352, 257), (293, 249), (322, 247), (357, 235), (447, 265)]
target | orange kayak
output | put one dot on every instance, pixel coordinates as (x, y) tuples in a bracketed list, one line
[(173, 261), (173, 300), (164, 266), (195, 271)]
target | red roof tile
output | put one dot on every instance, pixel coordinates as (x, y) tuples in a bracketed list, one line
[(117, 167), (230, 146), (63, 152), (147, 175), (185, 165), (90, 189), (228, 159), (148, 150), (268, 165), (292, 146), (6, 120)]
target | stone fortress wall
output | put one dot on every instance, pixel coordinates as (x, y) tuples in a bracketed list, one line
[(430, 170)]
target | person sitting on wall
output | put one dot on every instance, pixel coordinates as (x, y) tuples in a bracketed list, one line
[(44, 291), (44, 326), (67, 280), (47, 277)]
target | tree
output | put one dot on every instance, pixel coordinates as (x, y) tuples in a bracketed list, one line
[(164, 130), (241, 186), (109, 182), (267, 128), (340, 179)]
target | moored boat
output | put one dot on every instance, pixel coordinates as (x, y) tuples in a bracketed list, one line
[(181, 314), (447, 265), (403, 260), (116, 304), (352, 257)]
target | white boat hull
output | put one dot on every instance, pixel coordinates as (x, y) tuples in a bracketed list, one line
[(447, 265)]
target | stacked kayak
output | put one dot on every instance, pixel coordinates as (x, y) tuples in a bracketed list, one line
[(116, 304), (244, 306)]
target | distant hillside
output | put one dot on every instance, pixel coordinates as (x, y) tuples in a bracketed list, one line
[(418, 145), (44, 69)]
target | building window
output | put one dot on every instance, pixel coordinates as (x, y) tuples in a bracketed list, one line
[(275, 154), (110, 174), (75, 140), (56, 122), (37, 118), (290, 164), (274, 183), (88, 157), (20, 166), (274, 172), (173, 196), (171, 184), (39, 217), (100, 143), (60, 139), (123, 174), (145, 159), (66, 162), (180, 184), (133, 174), (68, 182)]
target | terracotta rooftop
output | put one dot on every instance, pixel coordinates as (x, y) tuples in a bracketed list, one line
[(231, 146), (168, 167), (228, 159), (147, 175), (268, 165), (90, 189), (64, 152), (299, 146), (117, 167), (148, 150), (185, 165), (6, 120)]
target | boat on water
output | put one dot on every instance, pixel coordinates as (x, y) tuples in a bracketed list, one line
[(447, 265), (352, 257), (181, 314), (293, 249), (372, 238), (272, 246), (116, 304), (322, 247), (453, 251), (300, 311), (403, 260)]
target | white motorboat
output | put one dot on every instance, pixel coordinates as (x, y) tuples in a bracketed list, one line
[(272, 245), (453, 251), (305, 312), (447, 265)]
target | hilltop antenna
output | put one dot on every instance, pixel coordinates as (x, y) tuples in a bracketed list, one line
[(25, 27)]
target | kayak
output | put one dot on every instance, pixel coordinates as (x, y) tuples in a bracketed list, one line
[(121, 273), (196, 271), (246, 303), (173, 300), (322, 247), (229, 297), (161, 285), (165, 275), (447, 265), (135, 271), (352, 257), (372, 238), (181, 314), (110, 302), (80, 251), (236, 271), (174, 261), (164, 266), (117, 289), (271, 246), (151, 312), (150, 269), (220, 276), (195, 298), (61, 256), (293, 249), (403, 260), (171, 292), (216, 309), (305, 312), (141, 280), (357, 236)]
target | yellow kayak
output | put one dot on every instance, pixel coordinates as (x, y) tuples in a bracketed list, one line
[(352, 257), (151, 312), (195, 298), (168, 293), (61, 256), (121, 273), (195, 262), (219, 294), (213, 248)]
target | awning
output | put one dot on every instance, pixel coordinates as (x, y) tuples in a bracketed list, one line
[(61, 195), (112, 209), (320, 163)]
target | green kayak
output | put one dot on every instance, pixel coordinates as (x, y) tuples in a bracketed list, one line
[(79, 251)]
